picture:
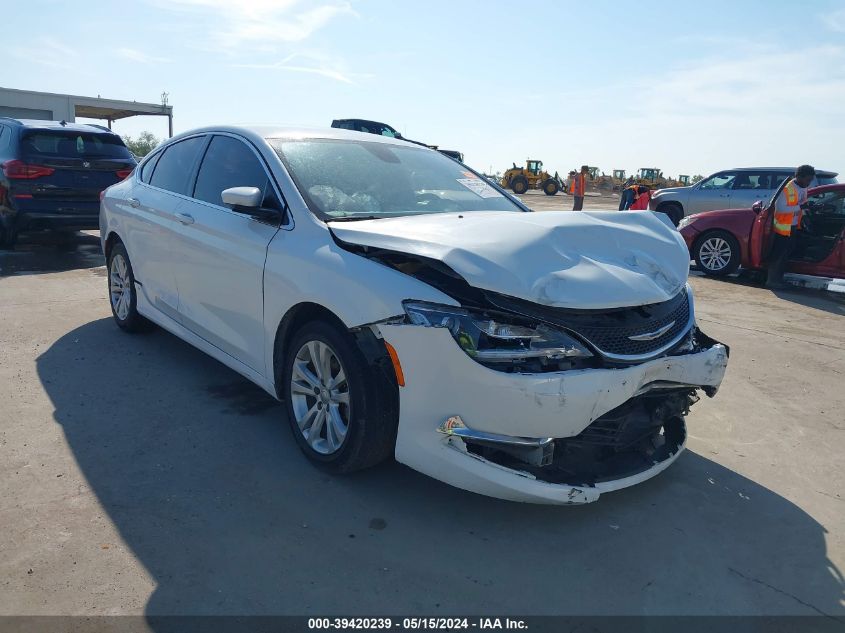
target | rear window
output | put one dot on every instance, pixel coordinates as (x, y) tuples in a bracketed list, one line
[(73, 145), (827, 180)]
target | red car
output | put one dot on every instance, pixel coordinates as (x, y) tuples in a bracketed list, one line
[(722, 241)]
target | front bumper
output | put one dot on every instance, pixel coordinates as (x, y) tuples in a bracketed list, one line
[(441, 381), (690, 234)]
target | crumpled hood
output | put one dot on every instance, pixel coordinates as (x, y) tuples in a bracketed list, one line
[(585, 259)]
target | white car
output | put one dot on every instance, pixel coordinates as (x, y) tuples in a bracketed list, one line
[(399, 304)]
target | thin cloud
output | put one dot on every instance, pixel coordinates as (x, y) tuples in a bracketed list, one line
[(320, 69), (835, 21), (47, 51), (140, 57), (261, 22)]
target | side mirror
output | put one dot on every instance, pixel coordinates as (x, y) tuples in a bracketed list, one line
[(757, 206), (245, 198)]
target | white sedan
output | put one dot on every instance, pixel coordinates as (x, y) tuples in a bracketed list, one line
[(399, 304)]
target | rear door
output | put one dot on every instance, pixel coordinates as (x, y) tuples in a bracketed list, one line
[(161, 188), (220, 252), (750, 186), (712, 193), (79, 166)]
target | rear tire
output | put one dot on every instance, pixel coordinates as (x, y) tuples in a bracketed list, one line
[(121, 281), (342, 409), (519, 185), (550, 187), (717, 253), (8, 238)]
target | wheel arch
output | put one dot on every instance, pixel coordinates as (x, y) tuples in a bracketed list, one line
[(112, 239), (307, 311), (295, 317), (663, 206)]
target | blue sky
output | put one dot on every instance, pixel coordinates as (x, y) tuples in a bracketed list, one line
[(688, 87)]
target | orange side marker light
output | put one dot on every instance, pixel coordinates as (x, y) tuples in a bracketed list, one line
[(394, 357)]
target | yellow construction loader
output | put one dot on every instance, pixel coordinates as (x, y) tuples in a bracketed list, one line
[(532, 176), (654, 178)]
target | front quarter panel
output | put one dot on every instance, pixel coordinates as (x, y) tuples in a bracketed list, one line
[(305, 265)]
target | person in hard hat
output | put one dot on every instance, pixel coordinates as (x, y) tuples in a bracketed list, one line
[(643, 198), (787, 221), (630, 194), (579, 186), (569, 179)]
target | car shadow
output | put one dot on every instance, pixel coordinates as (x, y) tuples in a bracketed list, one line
[(830, 302), (198, 471), (50, 252)]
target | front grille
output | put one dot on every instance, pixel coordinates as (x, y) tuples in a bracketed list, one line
[(609, 331), (615, 340)]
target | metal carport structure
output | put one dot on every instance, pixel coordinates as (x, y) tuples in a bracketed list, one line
[(29, 104)]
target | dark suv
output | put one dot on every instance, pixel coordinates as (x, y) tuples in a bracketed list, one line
[(52, 174)]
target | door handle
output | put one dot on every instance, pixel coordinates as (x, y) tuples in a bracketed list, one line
[(134, 202), (185, 218)]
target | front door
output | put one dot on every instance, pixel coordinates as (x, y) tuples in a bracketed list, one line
[(824, 251), (221, 253), (712, 193), (151, 212)]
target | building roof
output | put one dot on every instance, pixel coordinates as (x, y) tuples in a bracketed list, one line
[(98, 108)]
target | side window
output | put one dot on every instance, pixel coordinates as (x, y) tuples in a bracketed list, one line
[(5, 134), (231, 163), (776, 178), (175, 165), (756, 180), (149, 167), (719, 181)]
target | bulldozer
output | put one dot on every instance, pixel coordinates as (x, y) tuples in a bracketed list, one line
[(653, 177), (532, 176)]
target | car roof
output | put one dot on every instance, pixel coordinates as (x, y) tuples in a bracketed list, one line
[(791, 170), (370, 121), (267, 132), (37, 124), (826, 188)]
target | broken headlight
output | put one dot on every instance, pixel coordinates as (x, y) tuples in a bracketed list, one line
[(498, 339)]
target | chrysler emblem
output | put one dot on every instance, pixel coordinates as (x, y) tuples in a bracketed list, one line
[(650, 336), (86, 164)]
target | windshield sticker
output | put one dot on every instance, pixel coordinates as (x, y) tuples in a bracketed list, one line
[(479, 187)]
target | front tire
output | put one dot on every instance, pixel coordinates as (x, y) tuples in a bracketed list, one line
[(124, 304), (519, 185), (340, 407), (674, 211), (717, 253), (550, 187)]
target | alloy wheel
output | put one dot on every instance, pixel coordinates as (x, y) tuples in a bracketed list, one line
[(715, 253), (120, 286), (320, 397)]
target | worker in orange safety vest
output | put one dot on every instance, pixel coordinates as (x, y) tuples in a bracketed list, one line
[(579, 185), (787, 220)]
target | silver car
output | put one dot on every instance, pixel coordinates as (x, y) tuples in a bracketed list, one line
[(729, 189)]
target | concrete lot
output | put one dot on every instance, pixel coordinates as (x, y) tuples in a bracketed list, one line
[(139, 476)]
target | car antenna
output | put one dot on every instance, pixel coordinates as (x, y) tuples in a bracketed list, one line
[(63, 123)]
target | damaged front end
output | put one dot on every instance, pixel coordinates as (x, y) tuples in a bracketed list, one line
[(645, 431), (530, 402)]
